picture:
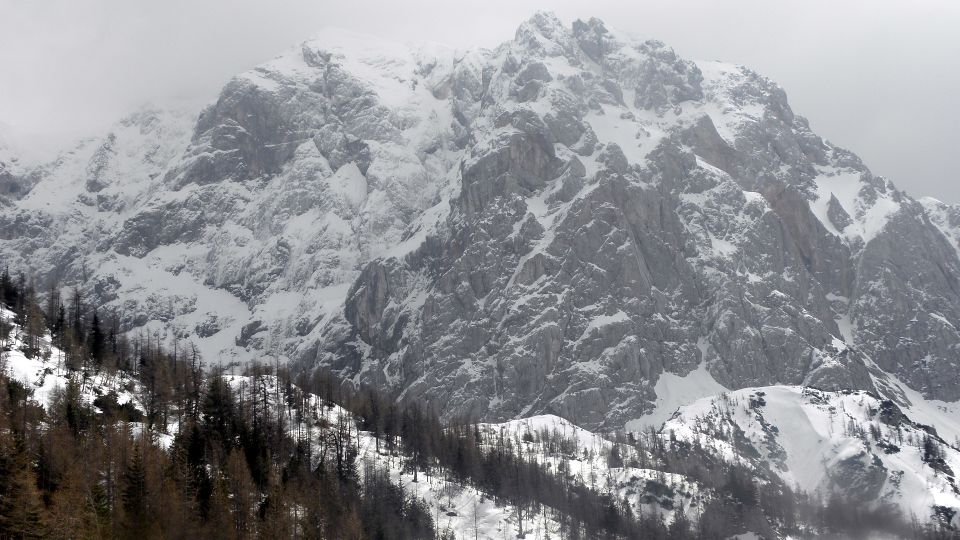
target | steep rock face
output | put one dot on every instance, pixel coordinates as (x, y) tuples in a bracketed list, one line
[(10, 187), (303, 169), (60, 227), (549, 226), (908, 328), (16, 178), (570, 288)]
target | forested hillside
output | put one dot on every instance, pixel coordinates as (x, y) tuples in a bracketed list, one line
[(104, 436)]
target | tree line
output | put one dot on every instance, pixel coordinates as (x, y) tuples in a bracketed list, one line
[(201, 457), (201, 460)]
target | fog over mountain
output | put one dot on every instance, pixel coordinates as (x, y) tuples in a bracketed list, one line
[(872, 76)]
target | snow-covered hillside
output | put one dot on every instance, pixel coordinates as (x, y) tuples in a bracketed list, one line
[(597, 461), (455, 507), (44, 372), (851, 443), (824, 442)]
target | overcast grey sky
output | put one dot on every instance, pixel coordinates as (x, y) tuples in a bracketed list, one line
[(879, 77)]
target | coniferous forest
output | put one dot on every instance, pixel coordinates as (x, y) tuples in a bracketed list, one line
[(280, 457)]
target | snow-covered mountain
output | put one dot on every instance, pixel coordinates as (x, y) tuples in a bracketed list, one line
[(553, 226)]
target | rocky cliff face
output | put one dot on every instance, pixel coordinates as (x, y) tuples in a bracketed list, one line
[(549, 226)]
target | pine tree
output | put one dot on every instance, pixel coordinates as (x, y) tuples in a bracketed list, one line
[(679, 525), (6, 331), (34, 329), (52, 310), (8, 291), (242, 491), (98, 340), (76, 315), (135, 495), (21, 511)]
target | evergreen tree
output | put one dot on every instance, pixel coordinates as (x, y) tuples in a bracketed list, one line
[(8, 291), (52, 310), (76, 315), (34, 329), (21, 511), (97, 340)]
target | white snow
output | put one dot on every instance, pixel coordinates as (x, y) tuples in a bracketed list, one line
[(942, 415), (805, 434), (847, 329), (847, 186), (601, 321), (45, 374), (672, 392), (349, 183)]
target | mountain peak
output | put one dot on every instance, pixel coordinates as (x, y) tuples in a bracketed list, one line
[(584, 211), (546, 22)]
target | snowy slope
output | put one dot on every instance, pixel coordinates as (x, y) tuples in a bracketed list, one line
[(111, 197), (585, 455), (458, 508), (850, 442), (673, 392), (461, 509), (46, 375), (547, 439)]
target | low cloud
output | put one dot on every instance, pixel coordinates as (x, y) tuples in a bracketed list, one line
[(878, 77)]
